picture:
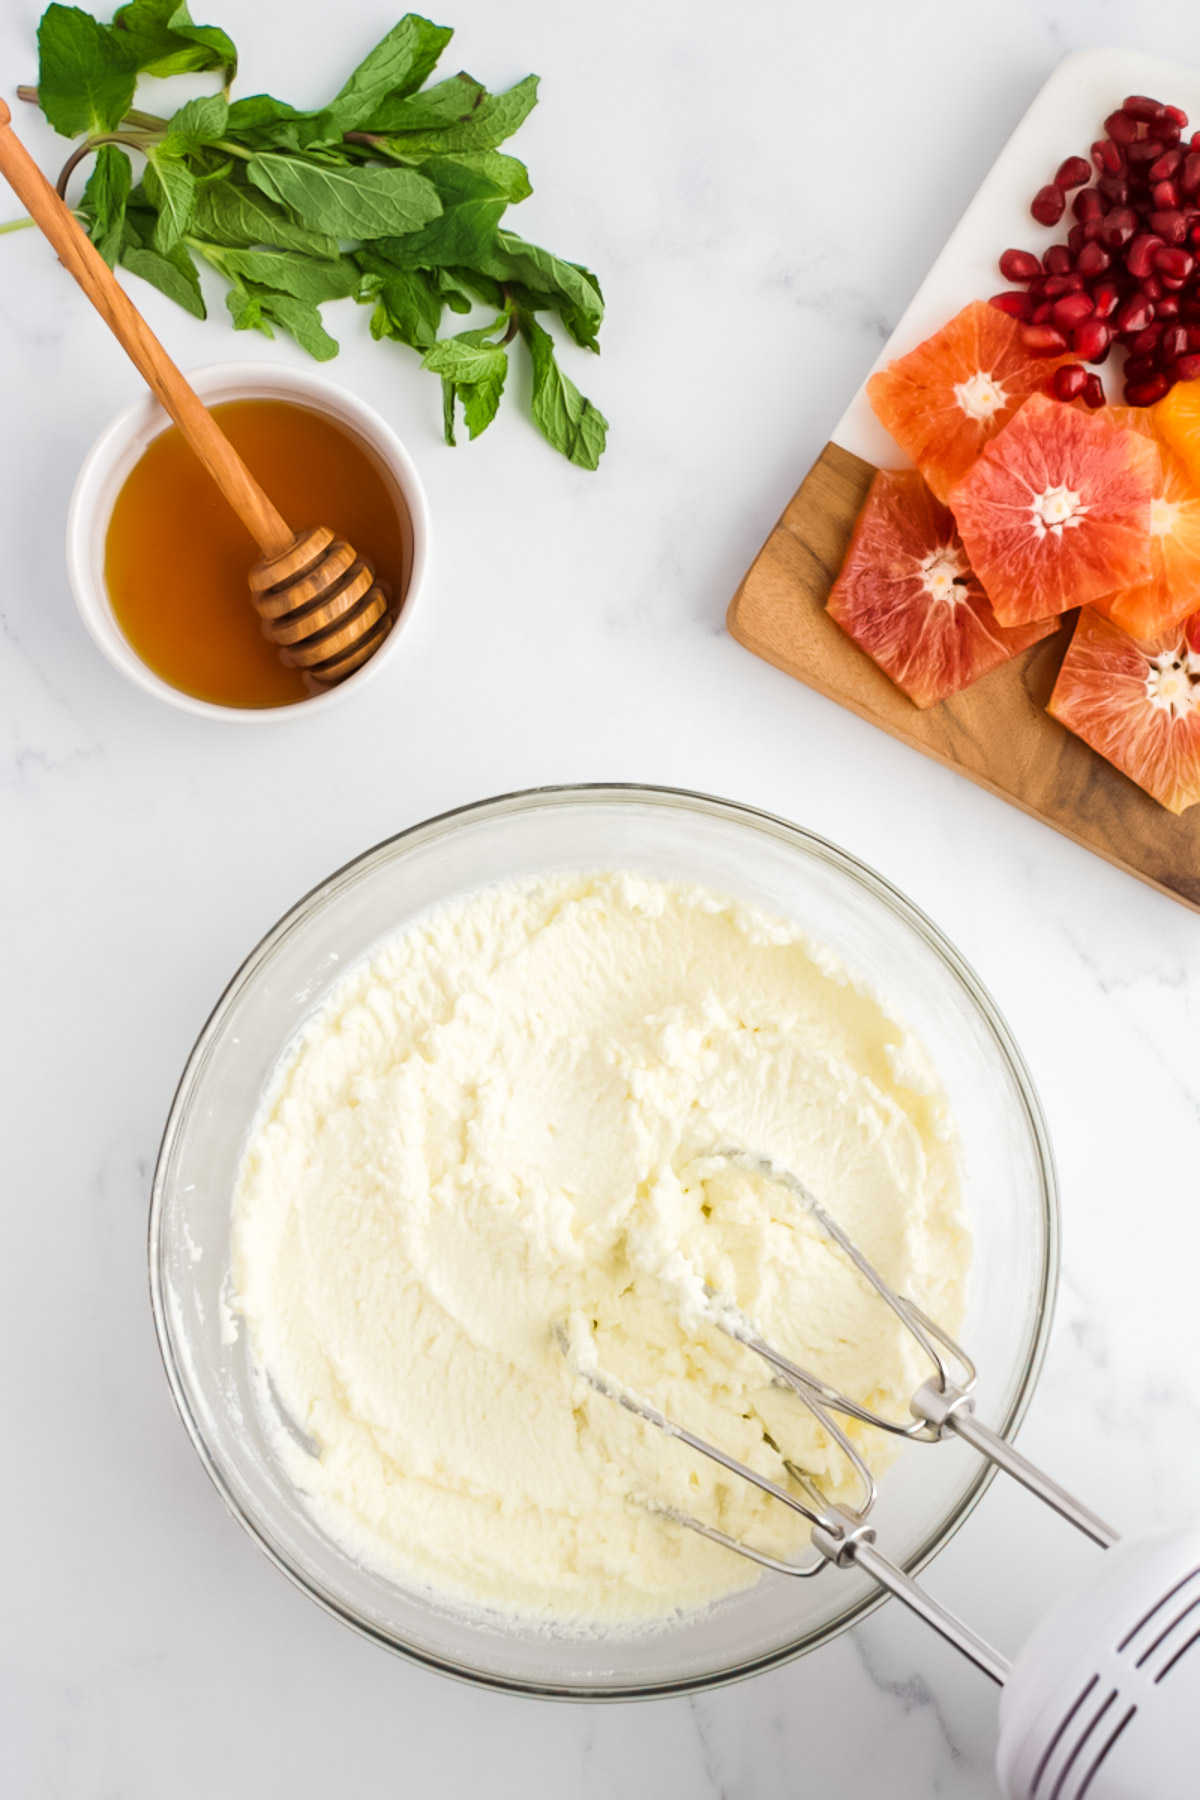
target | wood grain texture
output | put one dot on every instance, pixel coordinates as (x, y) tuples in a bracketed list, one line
[(997, 732)]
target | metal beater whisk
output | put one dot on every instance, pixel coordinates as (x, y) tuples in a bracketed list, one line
[(1114, 1642)]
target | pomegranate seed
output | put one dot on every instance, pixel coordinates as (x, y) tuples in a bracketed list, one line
[(1165, 195), (1139, 258), (1019, 265), (1093, 392), (1076, 239), (1173, 343), (1135, 314), (1105, 298), (1057, 260), (1073, 173), (1015, 305), (1172, 283), (1170, 225), (1093, 230), (1048, 205), (1043, 340), (1189, 174), (1093, 260), (1120, 128), (1187, 367), (1107, 158), (1152, 288), (1141, 106), (1069, 382), (1088, 203), (1162, 131), (1092, 340), (1057, 285), (1145, 393), (1174, 262), (1119, 226), (1040, 314), (1140, 155), (1146, 341), (1167, 307), (1167, 166), (1177, 116), (1071, 311), (1113, 188), (1138, 368), (1193, 332), (1194, 234)]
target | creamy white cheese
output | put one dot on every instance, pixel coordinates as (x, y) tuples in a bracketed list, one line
[(497, 1136)]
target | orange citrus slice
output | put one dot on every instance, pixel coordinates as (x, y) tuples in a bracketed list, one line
[(1177, 416), (1173, 591), (1056, 511), (1137, 704), (950, 396), (907, 596)]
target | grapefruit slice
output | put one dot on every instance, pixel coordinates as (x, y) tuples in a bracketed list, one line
[(906, 595), (1173, 591), (1137, 704), (950, 396), (1056, 511)]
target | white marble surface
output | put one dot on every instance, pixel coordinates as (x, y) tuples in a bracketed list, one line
[(762, 188)]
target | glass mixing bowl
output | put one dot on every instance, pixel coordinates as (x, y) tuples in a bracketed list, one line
[(1009, 1186)]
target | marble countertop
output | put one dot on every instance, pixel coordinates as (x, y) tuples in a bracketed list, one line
[(761, 189)]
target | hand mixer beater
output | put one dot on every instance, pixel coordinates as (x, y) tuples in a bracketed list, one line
[(1103, 1701)]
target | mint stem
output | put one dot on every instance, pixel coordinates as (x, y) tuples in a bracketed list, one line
[(15, 225)]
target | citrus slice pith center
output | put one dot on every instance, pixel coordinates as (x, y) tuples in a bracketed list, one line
[(980, 396), (1173, 683), (1056, 509), (944, 573), (1164, 516)]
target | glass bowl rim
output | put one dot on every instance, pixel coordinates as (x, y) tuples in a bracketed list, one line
[(771, 825)]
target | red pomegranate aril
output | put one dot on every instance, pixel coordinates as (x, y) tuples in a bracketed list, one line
[(1043, 340), (1187, 368), (1076, 239), (1057, 260), (1019, 265), (1145, 393), (1108, 158), (1088, 202), (1137, 368), (1092, 340), (1172, 283), (1015, 305), (1143, 342), (1073, 172), (1169, 261), (1048, 205), (1093, 392), (1113, 188), (1093, 229), (1119, 226), (1162, 131), (1143, 108), (1106, 298), (1167, 166), (1069, 382), (1092, 260), (1167, 307), (1189, 174), (1165, 196), (1071, 311), (1193, 332), (1135, 314), (1040, 314), (1139, 258), (1055, 286), (1139, 156), (1171, 226), (1152, 288), (1173, 343), (1121, 128), (1177, 116)]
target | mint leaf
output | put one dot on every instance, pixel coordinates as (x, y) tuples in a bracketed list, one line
[(301, 321), (364, 202), (245, 309), (105, 198), (171, 188), (560, 412), (571, 289), (447, 103), (227, 214), (162, 40), (506, 174), (408, 307), (295, 275), (473, 371), (200, 122), (495, 118), (86, 77), (261, 122), (397, 65), (466, 230), (175, 275)]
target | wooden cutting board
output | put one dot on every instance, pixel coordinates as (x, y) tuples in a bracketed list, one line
[(996, 732)]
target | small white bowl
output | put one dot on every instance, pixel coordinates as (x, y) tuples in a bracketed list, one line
[(113, 456)]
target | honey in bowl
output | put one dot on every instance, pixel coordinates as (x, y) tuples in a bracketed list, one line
[(177, 555)]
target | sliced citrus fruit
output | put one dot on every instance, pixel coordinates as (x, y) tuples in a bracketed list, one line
[(1173, 590), (1056, 511), (1178, 418), (947, 398), (1137, 704), (907, 596)]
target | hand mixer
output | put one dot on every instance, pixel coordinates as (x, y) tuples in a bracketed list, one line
[(1103, 1701)]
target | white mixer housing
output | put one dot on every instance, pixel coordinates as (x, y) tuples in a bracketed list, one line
[(1103, 1702)]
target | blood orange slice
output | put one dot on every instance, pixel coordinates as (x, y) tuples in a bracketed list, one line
[(1137, 704), (950, 396), (1173, 590), (1056, 511), (907, 596)]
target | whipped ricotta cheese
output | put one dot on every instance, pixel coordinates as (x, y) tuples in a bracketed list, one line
[(495, 1140)]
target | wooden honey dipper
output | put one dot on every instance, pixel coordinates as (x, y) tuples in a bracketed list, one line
[(318, 600)]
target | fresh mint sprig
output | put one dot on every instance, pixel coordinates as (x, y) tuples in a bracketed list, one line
[(393, 194)]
